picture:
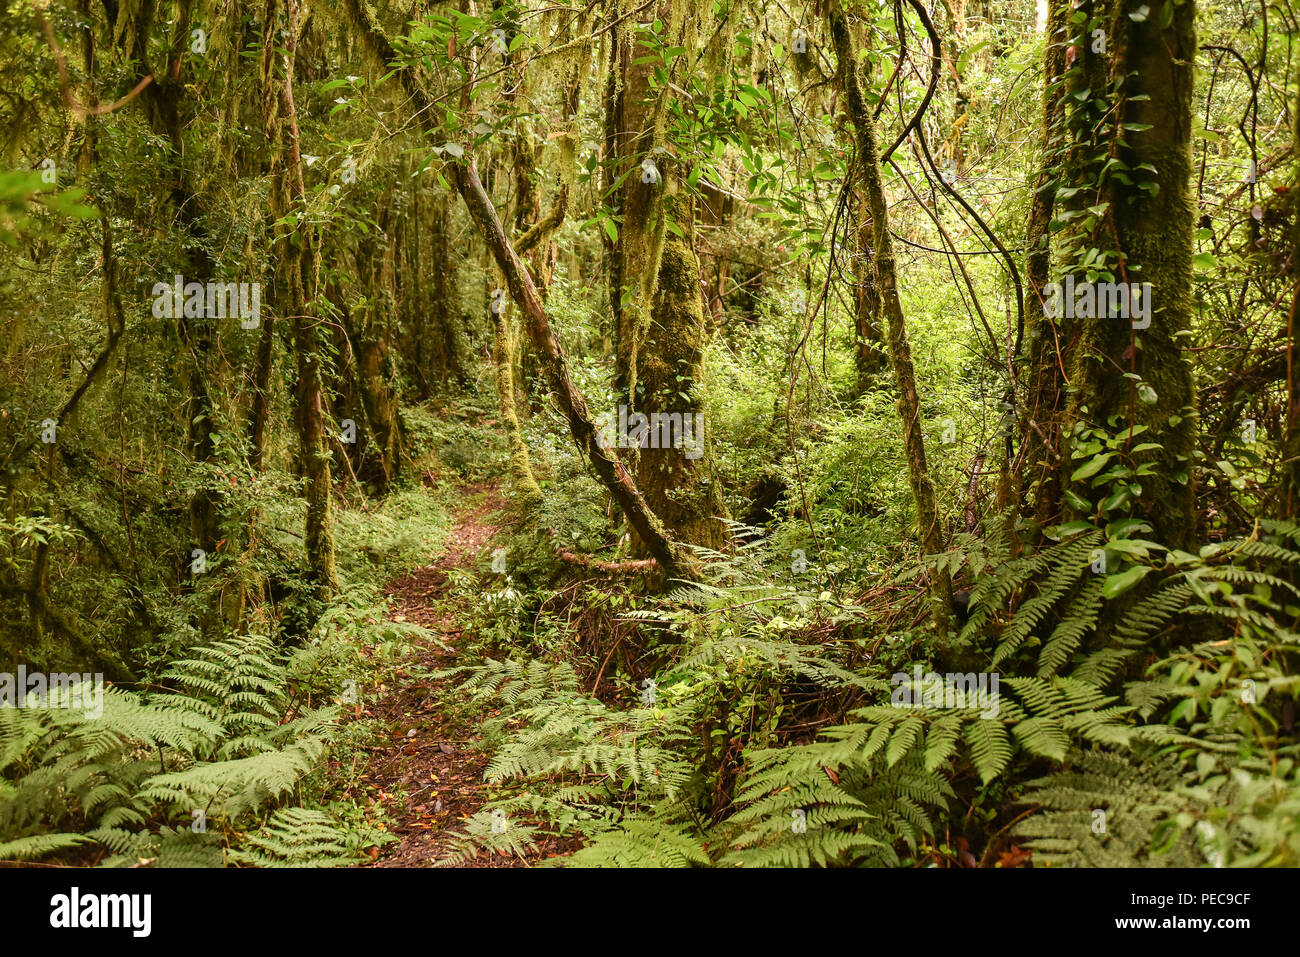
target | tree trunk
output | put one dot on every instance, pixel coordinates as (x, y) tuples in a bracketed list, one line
[(673, 560), (634, 135), (678, 482), (299, 274), (527, 492), (1041, 451), (1151, 230), (1289, 490), (900, 353), (870, 353), (368, 329)]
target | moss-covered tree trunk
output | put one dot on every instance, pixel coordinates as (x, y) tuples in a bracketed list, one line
[(870, 353), (166, 108), (447, 352), (1124, 373), (528, 493), (676, 476), (654, 290), (635, 166), (527, 210), (900, 353), (1040, 425), (370, 399), (297, 255), (673, 560), (1289, 484)]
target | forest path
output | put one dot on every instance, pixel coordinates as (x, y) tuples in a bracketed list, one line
[(430, 754)]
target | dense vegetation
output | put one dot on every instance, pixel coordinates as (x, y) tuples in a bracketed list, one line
[(895, 406)]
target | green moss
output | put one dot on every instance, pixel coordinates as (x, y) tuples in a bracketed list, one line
[(680, 490), (526, 489)]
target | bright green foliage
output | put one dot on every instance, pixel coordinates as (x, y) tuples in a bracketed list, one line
[(1117, 502), (1177, 761), (174, 778)]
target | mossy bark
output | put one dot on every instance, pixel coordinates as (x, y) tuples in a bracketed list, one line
[(1152, 231), (447, 353), (674, 561), (312, 445), (167, 108), (1289, 484), (298, 273), (381, 453), (870, 351), (369, 398), (1041, 452), (635, 107), (678, 483), (527, 492), (931, 535)]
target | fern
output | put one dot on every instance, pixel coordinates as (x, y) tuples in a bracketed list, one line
[(229, 745), (642, 842), (1106, 811), (487, 834), (854, 818), (38, 846), (296, 837)]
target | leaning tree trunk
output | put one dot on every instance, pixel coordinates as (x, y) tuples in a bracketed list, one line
[(674, 561)]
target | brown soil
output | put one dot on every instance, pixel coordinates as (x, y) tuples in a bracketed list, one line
[(431, 755)]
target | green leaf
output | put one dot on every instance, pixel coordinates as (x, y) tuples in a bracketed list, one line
[(1116, 585), (1073, 528), (1091, 467), (990, 747), (1077, 501), (1125, 527)]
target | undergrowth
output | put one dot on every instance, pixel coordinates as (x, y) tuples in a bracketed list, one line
[(1142, 718)]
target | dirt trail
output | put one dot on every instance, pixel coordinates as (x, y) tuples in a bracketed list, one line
[(430, 754)]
